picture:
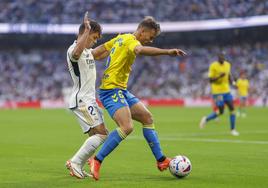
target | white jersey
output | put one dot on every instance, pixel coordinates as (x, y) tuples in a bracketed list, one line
[(83, 73)]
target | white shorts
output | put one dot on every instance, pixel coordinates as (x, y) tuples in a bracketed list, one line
[(89, 116)]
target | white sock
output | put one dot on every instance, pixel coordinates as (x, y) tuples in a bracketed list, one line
[(88, 149)]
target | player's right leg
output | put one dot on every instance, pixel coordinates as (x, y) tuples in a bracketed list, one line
[(115, 103), (215, 109), (220, 110)]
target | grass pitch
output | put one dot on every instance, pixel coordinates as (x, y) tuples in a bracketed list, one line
[(34, 145)]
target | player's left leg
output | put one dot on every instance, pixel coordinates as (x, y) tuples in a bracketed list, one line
[(91, 122), (242, 106), (97, 136), (141, 114), (228, 99)]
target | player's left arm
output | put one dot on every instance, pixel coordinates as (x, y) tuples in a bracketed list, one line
[(103, 50), (100, 52), (232, 80), (237, 84), (152, 51)]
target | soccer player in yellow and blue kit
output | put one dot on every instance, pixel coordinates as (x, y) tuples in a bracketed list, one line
[(220, 78), (242, 85), (118, 101)]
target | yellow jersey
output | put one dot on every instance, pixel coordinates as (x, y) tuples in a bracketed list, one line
[(242, 87), (118, 64), (222, 84)]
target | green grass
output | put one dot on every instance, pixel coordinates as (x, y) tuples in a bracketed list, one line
[(34, 145)]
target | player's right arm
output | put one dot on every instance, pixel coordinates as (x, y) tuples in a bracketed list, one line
[(81, 42), (100, 52), (212, 74), (152, 51), (216, 78)]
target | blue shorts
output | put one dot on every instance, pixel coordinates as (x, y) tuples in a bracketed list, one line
[(113, 99), (221, 99)]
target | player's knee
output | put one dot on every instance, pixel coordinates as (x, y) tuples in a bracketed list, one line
[(232, 112), (147, 118), (105, 132), (127, 129), (102, 136), (231, 108), (221, 110), (100, 130)]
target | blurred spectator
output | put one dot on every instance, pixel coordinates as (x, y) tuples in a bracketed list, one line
[(121, 11), (42, 73)]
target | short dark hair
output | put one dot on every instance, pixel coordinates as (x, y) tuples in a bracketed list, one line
[(95, 27), (150, 23)]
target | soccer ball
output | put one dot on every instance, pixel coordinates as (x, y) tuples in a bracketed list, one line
[(180, 166)]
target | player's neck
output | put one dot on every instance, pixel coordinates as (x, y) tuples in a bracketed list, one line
[(136, 34)]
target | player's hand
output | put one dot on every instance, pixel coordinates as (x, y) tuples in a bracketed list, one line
[(176, 52), (87, 21), (222, 75), (234, 83)]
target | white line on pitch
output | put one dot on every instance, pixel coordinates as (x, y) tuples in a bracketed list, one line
[(197, 134), (219, 140), (207, 140), (204, 140)]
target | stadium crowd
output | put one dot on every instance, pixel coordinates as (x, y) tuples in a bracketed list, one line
[(42, 74), (121, 11)]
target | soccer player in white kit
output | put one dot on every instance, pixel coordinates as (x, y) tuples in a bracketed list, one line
[(82, 102)]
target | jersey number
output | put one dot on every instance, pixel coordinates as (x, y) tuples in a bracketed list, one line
[(91, 110), (109, 58)]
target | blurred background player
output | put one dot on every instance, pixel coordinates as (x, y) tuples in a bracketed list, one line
[(242, 85), (220, 78), (118, 101), (82, 102)]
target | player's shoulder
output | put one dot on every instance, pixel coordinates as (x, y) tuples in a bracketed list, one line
[(213, 64), (238, 81), (128, 37), (72, 46), (227, 63), (88, 52)]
